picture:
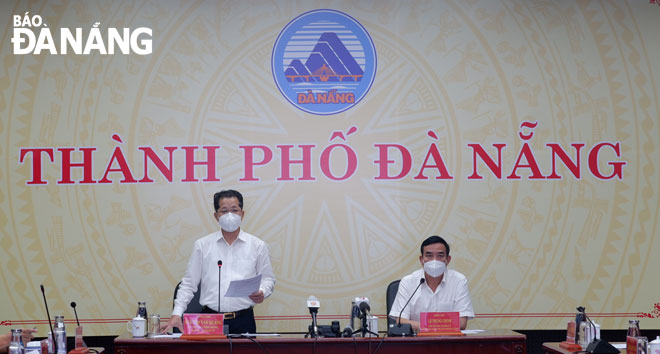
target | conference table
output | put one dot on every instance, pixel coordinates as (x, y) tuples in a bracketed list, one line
[(491, 341), (554, 348)]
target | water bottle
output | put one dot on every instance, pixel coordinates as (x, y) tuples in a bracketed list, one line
[(633, 328), (584, 334), (60, 334), (51, 348), (142, 312), (16, 345), (355, 314), (579, 318)]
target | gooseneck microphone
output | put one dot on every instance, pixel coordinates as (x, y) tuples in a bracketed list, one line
[(421, 281), (50, 322), (598, 346), (399, 329), (219, 283), (73, 304), (313, 304)]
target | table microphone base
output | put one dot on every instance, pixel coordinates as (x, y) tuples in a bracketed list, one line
[(601, 347), (400, 330)]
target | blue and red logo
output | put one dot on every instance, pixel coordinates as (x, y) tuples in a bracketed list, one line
[(324, 62)]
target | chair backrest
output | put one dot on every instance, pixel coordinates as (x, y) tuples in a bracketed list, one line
[(193, 305), (390, 295)]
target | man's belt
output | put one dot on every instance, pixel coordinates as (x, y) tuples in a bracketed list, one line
[(230, 315)]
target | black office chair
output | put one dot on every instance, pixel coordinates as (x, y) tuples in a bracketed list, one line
[(193, 306), (390, 295)]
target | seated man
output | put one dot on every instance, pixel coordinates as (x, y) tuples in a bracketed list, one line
[(444, 290), (243, 255), (5, 339)]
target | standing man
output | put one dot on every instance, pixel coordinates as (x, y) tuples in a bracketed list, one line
[(243, 256), (444, 290)]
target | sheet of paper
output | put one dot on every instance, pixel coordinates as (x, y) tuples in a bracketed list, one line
[(173, 335), (255, 335), (473, 331), (243, 288)]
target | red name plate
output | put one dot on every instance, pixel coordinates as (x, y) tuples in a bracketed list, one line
[(569, 344), (631, 345), (203, 323), (79, 337), (439, 323), (570, 332)]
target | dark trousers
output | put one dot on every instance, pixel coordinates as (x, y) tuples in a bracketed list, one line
[(244, 323)]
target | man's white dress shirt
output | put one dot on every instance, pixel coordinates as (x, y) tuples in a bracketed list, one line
[(452, 295), (245, 258)]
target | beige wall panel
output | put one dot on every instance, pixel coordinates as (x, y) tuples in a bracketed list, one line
[(470, 71)]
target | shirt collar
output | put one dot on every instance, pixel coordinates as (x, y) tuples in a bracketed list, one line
[(240, 237), (444, 277), (443, 282)]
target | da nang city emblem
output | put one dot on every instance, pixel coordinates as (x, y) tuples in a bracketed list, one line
[(324, 62)]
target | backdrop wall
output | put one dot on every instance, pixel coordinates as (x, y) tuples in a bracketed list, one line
[(460, 134)]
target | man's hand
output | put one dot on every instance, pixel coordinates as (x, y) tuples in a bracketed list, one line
[(463, 321), (257, 297), (175, 321), (28, 335), (415, 326)]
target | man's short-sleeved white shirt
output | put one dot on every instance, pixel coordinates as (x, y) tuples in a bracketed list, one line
[(452, 295)]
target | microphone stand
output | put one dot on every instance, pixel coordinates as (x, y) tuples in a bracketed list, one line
[(219, 283), (364, 329), (315, 329), (50, 323), (224, 326), (313, 305)]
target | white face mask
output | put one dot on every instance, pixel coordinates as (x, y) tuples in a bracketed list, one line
[(230, 222), (435, 268)]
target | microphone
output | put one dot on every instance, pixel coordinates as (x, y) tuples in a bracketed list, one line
[(421, 281), (405, 329), (598, 346), (313, 304), (363, 304), (364, 308), (219, 282), (73, 304), (79, 342), (50, 322)]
